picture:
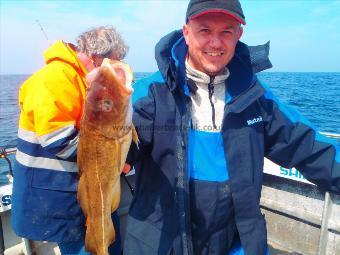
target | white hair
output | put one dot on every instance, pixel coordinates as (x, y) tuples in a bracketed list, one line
[(103, 42)]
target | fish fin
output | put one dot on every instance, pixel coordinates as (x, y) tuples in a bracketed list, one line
[(116, 190), (135, 136), (116, 185), (90, 244), (82, 195), (119, 162)]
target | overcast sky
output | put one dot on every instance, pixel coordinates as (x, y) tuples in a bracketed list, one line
[(304, 34)]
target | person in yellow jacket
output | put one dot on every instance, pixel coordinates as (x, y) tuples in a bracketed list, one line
[(51, 101)]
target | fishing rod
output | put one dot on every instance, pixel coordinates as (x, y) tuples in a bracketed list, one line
[(43, 31)]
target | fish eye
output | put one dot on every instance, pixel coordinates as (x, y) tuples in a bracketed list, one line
[(107, 105)]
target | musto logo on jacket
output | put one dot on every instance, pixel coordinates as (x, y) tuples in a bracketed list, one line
[(255, 120)]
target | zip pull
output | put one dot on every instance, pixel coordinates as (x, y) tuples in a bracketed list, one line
[(211, 92)]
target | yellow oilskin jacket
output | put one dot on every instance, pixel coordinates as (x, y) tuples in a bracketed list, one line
[(51, 104), (45, 172)]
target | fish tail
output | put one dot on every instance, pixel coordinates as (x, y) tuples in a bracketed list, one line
[(94, 242)]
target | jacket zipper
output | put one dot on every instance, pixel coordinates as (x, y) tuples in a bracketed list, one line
[(211, 92)]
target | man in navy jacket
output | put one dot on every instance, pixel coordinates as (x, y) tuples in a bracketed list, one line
[(205, 127)]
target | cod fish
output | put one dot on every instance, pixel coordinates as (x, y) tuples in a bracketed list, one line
[(106, 132)]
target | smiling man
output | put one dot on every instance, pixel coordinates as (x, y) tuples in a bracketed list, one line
[(212, 38), (204, 128)]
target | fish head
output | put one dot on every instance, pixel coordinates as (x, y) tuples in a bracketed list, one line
[(108, 101)]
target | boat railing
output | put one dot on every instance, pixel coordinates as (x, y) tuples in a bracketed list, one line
[(272, 201)]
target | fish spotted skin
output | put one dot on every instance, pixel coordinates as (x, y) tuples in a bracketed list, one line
[(106, 133)]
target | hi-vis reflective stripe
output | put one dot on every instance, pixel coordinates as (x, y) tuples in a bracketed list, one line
[(56, 135), (45, 163), (62, 142), (47, 139), (28, 136), (70, 149)]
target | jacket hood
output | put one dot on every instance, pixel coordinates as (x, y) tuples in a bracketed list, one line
[(61, 51), (163, 52), (171, 51)]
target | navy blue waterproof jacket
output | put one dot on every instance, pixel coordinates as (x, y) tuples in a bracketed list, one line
[(255, 125)]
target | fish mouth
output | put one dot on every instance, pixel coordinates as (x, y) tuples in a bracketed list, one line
[(121, 72)]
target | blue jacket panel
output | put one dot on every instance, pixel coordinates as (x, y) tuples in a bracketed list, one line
[(255, 125), (206, 158), (35, 217)]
